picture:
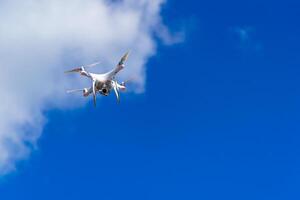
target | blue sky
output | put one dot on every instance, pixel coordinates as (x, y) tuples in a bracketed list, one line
[(219, 118)]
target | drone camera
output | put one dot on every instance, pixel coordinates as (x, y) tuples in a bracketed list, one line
[(104, 91)]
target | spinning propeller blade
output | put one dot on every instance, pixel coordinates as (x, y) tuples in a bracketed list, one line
[(92, 65), (75, 90), (81, 68), (131, 79)]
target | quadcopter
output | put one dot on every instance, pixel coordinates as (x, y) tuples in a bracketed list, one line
[(101, 83)]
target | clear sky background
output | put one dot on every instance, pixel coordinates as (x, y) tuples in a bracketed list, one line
[(219, 118)]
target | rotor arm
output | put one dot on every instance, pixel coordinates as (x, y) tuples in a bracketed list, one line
[(121, 64)]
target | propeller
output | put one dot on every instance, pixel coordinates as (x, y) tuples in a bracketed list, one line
[(81, 68), (75, 90), (131, 79), (123, 84), (92, 65)]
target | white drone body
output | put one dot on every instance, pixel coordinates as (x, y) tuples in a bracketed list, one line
[(101, 83)]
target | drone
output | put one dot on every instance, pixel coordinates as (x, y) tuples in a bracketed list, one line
[(101, 83)]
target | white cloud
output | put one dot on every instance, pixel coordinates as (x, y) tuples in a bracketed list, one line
[(243, 33), (246, 39), (40, 39)]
